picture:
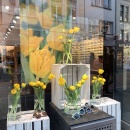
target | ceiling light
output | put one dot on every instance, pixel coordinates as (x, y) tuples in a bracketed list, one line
[(14, 21), (5, 37), (17, 17), (9, 29), (12, 26), (7, 7), (8, 32)]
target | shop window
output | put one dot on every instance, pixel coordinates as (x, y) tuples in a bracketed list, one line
[(122, 35), (105, 27), (56, 9), (126, 14), (121, 13), (102, 3)]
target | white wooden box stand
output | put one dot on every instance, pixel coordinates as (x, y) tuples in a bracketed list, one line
[(72, 73), (112, 107), (27, 122)]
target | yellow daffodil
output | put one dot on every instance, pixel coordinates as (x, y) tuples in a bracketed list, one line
[(41, 62), (13, 91), (94, 77), (84, 77), (72, 88), (71, 31), (79, 82), (79, 85), (76, 29), (61, 81), (23, 85), (100, 71), (52, 37), (51, 76)]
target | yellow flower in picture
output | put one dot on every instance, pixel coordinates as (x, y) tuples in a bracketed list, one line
[(76, 29), (72, 88), (13, 91), (45, 18), (41, 61), (52, 38), (100, 71), (16, 85), (28, 42)]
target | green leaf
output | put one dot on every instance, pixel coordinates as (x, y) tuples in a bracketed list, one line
[(28, 75)]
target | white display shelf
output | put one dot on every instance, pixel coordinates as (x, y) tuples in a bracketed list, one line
[(27, 122), (72, 73)]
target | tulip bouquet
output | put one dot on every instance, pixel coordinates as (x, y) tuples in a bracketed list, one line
[(97, 82), (72, 92), (13, 101), (39, 88), (67, 43)]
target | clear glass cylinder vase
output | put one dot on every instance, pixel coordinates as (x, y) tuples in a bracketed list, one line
[(71, 107), (14, 106), (96, 95), (39, 103)]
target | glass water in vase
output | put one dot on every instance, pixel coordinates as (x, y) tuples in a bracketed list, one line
[(14, 107)]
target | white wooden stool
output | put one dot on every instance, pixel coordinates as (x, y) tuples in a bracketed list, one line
[(27, 122), (112, 107)]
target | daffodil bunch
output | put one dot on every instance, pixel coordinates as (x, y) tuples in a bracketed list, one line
[(14, 100), (39, 88), (97, 82), (67, 43), (72, 92)]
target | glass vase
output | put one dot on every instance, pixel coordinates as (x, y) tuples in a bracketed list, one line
[(96, 96), (71, 107), (39, 104), (14, 107)]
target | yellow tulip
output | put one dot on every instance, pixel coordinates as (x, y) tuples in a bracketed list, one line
[(51, 76), (45, 18), (72, 88), (79, 82), (31, 10), (61, 81), (41, 62), (104, 80), (76, 29), (100, 71), (79, 85), (93, 81), (13, 91), (71, 31), (38, 83), (16, 85), (99, 79), (52, 38), (69, 40), (84, 77), (23, 85), (28, 42), (43, 86), (82, 81), (94, 77)]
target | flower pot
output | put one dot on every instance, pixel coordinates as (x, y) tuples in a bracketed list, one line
[(14, 106), (71, 107), (39, 104)]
